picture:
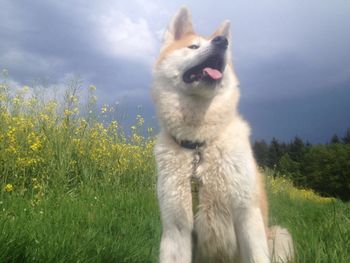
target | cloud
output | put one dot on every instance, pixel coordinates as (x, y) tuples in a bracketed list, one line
[(28, 65), (314, 117), (283, 51), (125, 37), (109, 44)]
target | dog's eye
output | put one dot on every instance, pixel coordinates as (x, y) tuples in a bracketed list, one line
[(193, 46)]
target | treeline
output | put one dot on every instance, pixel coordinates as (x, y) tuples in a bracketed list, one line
[(324, 168)]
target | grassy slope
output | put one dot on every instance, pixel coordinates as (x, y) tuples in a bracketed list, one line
[(76, 190), (320, 227), (99, 223), (321, 232), (102, 222)]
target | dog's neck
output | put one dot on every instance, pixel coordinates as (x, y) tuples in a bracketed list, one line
[(190, 145), (193, 118)]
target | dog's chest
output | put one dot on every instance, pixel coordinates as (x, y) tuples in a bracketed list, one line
[(221, 176)]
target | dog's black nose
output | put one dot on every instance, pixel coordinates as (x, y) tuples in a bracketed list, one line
[(220, 42)]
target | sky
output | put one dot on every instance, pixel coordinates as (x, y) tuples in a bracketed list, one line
[(292, 57)]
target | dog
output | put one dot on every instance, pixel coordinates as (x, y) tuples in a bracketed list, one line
[(204, 140)]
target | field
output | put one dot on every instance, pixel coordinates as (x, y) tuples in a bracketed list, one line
[(81, 189)]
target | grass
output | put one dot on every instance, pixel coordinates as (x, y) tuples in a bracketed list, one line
[(99, 223), (78, 189), (320, 226)]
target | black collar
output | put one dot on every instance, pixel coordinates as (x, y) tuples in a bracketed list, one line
[(189, 144)]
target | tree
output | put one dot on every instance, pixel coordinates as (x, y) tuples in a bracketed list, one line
[(290, 168), (261, 152), (296, 148), (276, 151), (335, 139), (308, 144), (327, 169), (346, 138)]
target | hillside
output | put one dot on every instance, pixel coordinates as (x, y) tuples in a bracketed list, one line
[(76, 188)]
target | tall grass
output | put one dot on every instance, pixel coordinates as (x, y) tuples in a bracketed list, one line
[(320, 226), (76, 188)]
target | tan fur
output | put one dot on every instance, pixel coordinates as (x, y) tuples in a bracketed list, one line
[(180, 43), (263, 201)]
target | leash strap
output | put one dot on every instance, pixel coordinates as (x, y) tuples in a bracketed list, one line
[(194, 180), (197, 156)]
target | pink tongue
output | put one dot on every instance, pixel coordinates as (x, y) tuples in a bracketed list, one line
[(213, 73)]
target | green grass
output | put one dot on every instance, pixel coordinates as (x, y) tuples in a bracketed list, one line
[(105, 222), (321, 230), (99, 222)]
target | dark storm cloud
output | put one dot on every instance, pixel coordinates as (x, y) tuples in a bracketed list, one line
[(288, 97), (44, 40), (47, 39), (314, 117), (292, 57)]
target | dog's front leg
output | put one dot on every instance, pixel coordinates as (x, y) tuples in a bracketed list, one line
[(251, 236), (177, 220)]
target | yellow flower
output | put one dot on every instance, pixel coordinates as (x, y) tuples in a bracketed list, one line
[(73, 98), (8, 188), (140, 120), (25, 89), (35, 146), (67, 112), (104, 109), (92, 88)]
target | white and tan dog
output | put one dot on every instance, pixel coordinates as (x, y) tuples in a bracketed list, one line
[(203, 138)]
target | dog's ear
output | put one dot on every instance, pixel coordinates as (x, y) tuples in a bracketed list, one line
[(223, 30), (180, 25)]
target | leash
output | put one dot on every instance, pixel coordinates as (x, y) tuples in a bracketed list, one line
[(194, 180)]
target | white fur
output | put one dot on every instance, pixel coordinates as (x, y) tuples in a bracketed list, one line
[(281, 245), (229, 223)]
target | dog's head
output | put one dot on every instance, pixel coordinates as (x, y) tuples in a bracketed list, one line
[(194, 64)]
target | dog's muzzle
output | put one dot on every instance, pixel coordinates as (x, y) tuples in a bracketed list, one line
[(209, 70)]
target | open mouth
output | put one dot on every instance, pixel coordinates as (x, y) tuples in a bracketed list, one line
[(209, 70)]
